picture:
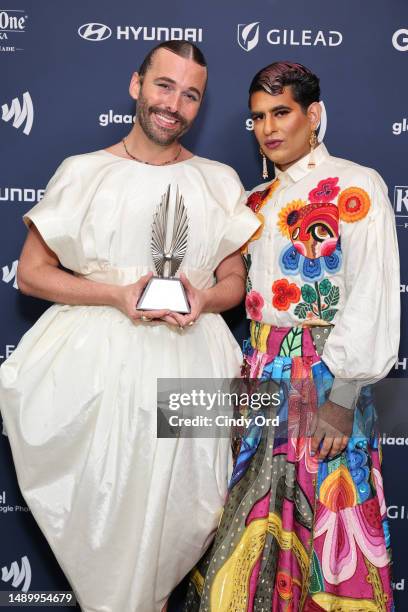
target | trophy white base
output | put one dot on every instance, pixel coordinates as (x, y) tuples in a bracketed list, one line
[(164, 294)]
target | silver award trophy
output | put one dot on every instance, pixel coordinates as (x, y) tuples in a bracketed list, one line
[(168, 245)]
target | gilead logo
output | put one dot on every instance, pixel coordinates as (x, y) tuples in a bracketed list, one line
[(397, 512), (248, 35), (304, 38)]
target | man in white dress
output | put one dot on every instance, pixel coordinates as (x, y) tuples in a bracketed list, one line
[(127, 515)]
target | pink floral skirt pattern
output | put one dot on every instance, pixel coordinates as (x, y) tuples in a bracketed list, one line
[(297, 533)]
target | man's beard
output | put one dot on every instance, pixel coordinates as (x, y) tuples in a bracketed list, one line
[(159, 135)]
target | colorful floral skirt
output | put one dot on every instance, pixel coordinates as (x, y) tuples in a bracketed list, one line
[(296, 533)]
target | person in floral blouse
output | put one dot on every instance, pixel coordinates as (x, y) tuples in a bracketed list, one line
[(304, 526)]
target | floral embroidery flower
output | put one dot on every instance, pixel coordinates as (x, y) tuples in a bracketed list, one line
[(254, 201), (325, 191), (286, 216), (257, 199), (293, 263), (284, 585), (354, 204), (253, 304), (285, 293)]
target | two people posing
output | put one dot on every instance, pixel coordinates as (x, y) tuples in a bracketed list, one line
[(126, 514)]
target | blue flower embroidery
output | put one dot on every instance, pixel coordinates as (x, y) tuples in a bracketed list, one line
[(292, 263)]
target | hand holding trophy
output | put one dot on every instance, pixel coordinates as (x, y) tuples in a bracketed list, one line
[(168, 246)]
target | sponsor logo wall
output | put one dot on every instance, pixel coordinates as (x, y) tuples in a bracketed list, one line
[(64, 90)]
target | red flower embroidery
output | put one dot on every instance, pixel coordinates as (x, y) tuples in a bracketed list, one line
[(259, 198), (285, 293), (253, 304), (254, 201), (284, 585), (325, 191)]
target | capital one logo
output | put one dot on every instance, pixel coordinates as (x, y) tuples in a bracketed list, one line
[(18, 575), (400, 40), (248, 35), (19, 114), (94, 32)]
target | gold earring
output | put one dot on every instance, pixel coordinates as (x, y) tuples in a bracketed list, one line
[(265, 174), (313, 143)]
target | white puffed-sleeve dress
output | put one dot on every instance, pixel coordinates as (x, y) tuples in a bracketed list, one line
[(126, 514)]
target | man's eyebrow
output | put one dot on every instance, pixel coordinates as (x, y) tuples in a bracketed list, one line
[(280, 107), (274, 109), (173, 82)]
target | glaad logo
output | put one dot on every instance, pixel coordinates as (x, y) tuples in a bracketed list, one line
[(391, 441), (12, 21), (10, 274), (399, 586), (401, 200), (18, 575), (400, 126), (248, 35), (19, 113), (400, 40), (249, 123), (95, 32), (111, 117)]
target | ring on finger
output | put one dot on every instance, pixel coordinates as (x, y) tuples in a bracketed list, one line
[(145, 319)]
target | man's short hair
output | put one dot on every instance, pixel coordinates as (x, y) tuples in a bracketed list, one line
[(183, 48), (273, 78)]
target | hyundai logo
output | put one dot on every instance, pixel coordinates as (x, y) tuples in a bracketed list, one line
[(95, 32)]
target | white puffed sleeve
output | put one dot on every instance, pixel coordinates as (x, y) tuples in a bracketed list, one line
[(59, 215), (239, 222), (363, 345)]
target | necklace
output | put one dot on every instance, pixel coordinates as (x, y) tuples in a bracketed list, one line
[(171, 161)]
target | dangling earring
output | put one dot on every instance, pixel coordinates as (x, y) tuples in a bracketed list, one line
[(265, 174), (313, 144)]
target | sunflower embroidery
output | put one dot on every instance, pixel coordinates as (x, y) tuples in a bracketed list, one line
[(284, 217)]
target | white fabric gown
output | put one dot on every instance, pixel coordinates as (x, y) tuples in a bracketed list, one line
[(126, 514)]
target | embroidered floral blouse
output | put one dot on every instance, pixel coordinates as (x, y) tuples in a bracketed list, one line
[(326, 254)]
